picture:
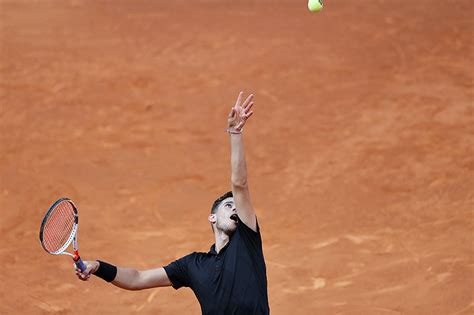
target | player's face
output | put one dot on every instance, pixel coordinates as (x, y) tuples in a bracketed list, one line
[(226, 216)]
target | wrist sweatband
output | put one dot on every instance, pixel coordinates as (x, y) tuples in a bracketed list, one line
[(234, 132), (106, 271)]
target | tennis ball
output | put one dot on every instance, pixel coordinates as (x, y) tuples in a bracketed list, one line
[(315, 5)]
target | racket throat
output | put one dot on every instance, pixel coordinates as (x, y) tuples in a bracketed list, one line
[(78, 261), (76, 256)]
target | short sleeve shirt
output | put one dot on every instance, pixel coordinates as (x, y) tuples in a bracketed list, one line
[(231, 282)]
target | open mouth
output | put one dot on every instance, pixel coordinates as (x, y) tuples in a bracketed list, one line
[(234, 218)]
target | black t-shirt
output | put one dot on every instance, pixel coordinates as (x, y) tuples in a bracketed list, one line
[(231, 282)]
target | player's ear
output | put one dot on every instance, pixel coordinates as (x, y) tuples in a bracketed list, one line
[(212, 218)]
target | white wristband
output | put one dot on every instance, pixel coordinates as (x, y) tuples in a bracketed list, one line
[(234, 132)]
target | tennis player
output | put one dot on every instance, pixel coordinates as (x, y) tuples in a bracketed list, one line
[(231, 277)]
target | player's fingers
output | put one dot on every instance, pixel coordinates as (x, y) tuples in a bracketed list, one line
[(232, 112), (240, 125), (78, 271), (248, 107), (83, 275), (248, 115), (248, 100), (89, 267), (239, 99)]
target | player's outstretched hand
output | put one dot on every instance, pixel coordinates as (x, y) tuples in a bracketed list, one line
[(91, 267), (239, 113)]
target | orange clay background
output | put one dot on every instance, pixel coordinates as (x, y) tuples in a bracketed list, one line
[(360, 151)]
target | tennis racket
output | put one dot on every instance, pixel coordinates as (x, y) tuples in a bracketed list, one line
[(59, 229)]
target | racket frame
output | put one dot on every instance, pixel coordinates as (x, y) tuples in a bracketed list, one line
[(72, 237)]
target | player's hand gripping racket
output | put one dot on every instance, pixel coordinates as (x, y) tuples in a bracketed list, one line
[(59, 229)]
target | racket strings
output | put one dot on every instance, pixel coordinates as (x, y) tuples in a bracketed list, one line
[(59, 226), (65, 228)]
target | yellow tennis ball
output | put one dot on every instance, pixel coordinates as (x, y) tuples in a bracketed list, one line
[(315, 5)]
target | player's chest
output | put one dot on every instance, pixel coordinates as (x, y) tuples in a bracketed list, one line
[(222, 269)]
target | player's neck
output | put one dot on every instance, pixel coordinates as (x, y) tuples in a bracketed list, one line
[(221, 240)]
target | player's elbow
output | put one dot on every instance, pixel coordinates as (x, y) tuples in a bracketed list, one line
[(134, 286), (240, 183), (129, 286), (135, 282), (139, 282)]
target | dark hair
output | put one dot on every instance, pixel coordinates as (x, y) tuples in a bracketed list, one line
[(218, 201)]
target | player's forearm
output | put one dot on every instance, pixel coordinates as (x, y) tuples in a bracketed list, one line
[(238, 163), (127, 278)]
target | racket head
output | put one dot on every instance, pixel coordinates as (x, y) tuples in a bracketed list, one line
[(59, 226)]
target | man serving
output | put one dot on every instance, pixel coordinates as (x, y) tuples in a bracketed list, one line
[(231, 277)]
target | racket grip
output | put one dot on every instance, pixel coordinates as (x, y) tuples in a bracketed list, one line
[(79, 263)]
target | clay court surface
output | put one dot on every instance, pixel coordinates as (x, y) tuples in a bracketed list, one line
[(360, 151)]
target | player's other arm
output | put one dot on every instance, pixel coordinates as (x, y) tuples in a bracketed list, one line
[(129, 278), (237, 118)]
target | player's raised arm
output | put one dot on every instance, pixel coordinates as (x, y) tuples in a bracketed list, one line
[(125, 278), (237, 119)]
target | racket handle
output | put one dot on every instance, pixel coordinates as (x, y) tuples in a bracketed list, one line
[(79, 263)]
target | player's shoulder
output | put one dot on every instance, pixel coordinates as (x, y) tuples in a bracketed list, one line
[(242, 227), (198, 255)]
